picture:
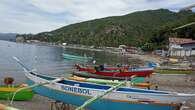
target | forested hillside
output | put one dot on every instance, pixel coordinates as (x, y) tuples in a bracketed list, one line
[(145, 29)]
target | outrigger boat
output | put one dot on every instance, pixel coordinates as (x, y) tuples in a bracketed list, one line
[(112, 98), (74, 57), (139, 72)]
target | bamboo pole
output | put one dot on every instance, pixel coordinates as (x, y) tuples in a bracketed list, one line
[(189, 24), (88, 102)]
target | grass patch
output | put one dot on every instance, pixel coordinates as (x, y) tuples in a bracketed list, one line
[(173, 71)]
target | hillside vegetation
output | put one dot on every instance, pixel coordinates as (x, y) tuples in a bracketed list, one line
[(146, 29)]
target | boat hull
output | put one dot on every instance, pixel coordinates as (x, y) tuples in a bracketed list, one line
[(90, 75), (139, 72), (7, 93), (125, 74), (101, 104)]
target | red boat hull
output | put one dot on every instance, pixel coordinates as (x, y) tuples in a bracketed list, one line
[(146, 73), (122, 72), (90, 70)]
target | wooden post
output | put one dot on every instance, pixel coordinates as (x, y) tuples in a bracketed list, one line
[(190, 52), (57, 105), (185, 53), (175, 53)]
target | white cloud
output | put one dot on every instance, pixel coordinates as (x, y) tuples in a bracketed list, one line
[(45, 15), (51, 6)]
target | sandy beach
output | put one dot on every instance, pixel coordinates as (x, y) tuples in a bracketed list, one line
[(177, 83)]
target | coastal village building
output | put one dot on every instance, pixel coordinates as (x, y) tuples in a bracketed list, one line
[(129, 49), (181, 47)]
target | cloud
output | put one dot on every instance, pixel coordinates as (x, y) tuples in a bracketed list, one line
[(51, 6), (33, 16)]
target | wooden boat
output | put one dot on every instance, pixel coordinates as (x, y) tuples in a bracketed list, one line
[(7, 92), (110, 82), (140, 72), (91, 75), (92, 69), (74, 57), (123, 98)]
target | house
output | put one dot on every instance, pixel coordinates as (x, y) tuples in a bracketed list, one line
[(181, 46), (132, 50)]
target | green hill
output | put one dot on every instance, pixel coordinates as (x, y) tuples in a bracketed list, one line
[(135, 29)]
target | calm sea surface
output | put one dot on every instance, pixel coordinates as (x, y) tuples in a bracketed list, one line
[(45, 59)]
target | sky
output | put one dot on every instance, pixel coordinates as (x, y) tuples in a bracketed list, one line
[(34, 16)]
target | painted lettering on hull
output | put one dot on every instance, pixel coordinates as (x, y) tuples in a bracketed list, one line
[(76, 90)]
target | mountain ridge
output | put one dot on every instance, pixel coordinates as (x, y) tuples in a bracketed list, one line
[(134, 29), (8, 36)]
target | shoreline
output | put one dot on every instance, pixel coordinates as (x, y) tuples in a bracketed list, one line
[(165, 83), (144, 57), (113, 50)]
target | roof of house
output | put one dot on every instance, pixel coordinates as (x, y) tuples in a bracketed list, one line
[(187, 43), (181, 41)]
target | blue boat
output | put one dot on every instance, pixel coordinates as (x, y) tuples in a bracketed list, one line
[(124, 98)]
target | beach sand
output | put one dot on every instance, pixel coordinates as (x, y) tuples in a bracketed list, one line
[(177, 83), (37, 103)]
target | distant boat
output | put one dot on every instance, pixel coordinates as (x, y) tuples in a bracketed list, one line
[(7, 92), (121, 72), (74, 57), (124, 98)]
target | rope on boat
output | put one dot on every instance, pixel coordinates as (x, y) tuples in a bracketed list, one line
[(93, 99)]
